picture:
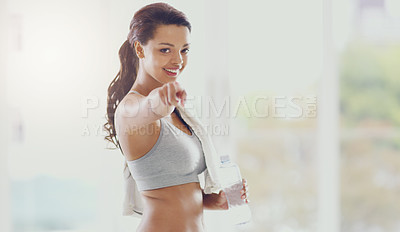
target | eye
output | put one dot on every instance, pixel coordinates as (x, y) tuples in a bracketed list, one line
[(165, 50), (186, 50)]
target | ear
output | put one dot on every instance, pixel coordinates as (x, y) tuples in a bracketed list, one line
[(139, 50)]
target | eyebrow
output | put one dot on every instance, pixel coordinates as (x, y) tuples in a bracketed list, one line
[(172, 44)]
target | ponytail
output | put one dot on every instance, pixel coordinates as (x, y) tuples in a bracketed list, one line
[(119, 87)]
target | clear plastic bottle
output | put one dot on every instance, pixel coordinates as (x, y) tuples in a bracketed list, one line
[(231, 180)]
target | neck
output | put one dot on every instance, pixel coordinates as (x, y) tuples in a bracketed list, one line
[(145, 83)]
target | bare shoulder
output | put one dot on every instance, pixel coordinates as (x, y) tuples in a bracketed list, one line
[(136, 138), (131, 112), (127, 106)]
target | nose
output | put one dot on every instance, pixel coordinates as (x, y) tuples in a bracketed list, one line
[(177, 59)]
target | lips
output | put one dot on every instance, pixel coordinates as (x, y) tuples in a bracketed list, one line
[(171, 71)]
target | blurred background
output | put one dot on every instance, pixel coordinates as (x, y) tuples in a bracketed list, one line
[(303, 95)]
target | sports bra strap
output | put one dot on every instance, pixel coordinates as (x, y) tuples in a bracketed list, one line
[(134, 91)]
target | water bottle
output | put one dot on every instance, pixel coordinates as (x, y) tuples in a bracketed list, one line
[(231, 180)]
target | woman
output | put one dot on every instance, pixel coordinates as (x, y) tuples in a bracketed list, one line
[(162, 151)]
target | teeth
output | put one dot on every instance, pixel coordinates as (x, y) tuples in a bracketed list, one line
[(172, 70)]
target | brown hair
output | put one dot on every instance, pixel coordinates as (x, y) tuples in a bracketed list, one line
[(142, 28)]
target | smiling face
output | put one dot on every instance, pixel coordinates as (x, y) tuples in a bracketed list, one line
[(165, 56)]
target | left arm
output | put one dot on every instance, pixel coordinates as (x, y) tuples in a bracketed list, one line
[(215, 201), (218, 201)]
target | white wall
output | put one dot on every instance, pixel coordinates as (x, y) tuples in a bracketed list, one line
[(5, 218), (60, 67)]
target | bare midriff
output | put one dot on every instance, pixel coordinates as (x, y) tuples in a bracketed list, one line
[(173, 209)]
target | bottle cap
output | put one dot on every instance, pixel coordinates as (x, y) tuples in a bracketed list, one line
[(224, 158)]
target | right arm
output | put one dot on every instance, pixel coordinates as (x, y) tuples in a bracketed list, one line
[(137, 112)]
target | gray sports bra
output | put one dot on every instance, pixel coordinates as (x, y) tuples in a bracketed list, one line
[(176, 158)]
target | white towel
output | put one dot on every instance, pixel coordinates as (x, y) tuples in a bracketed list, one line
[(133, 205)]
